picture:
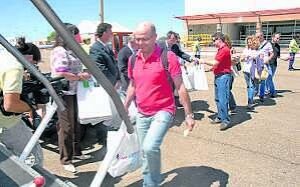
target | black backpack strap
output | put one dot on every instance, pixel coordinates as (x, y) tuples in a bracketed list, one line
[(132, 61), (264, 45), (164, 59), (165, 62)]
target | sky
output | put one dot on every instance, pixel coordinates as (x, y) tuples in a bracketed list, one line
[(21, 18)]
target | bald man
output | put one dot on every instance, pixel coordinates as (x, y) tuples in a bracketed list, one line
[(152, 90)]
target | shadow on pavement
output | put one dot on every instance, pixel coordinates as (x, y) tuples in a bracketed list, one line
[(284, 91), (89, 139), (200, 105), (267, 102), (197, 106), (195, 176), (242, 114), (96, 156), (88, 177)]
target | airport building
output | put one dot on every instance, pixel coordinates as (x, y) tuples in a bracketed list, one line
[(239, 19)]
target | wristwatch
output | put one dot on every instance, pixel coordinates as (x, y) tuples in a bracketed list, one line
[(191, 115)]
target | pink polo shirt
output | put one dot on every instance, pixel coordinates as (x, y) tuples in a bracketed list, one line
[(152, 89)]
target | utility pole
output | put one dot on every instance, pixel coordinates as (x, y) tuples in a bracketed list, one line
[(258, 25), (101, 13)]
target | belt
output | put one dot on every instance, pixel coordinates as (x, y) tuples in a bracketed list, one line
[(221, 74)]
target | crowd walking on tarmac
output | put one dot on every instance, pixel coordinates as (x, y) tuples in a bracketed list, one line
[(148, 73)]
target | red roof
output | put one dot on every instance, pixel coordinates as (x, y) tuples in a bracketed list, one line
[(242, 14)]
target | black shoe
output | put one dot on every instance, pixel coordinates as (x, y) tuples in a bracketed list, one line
[(273, 96), (82, 157), (291, 69), (261, 99), (224, 126), (215, 121), (178, 105), (233, 111)]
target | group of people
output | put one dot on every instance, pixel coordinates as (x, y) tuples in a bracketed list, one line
[(151, 86), (149, 72), (258, 56), (148, 83)]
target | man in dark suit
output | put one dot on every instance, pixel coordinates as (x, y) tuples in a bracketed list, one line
[(171, 44), (101, 53), (123, 57)]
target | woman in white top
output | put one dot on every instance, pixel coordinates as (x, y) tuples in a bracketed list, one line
[(249, 57)]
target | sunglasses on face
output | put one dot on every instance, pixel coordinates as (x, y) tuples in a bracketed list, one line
[(214, 39), (142, 39)]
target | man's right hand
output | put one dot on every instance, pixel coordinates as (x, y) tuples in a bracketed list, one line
[(126, 106), (190, 122)]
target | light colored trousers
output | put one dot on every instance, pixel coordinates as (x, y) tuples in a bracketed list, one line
[(151, 131)]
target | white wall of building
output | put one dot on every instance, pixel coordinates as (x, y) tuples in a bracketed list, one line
[(197, 7)]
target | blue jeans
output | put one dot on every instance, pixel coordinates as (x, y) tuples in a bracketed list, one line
[(222, 91), (232, 103), (273, 69), (250, 87), (270, 81), (292, 60), (151, 131)]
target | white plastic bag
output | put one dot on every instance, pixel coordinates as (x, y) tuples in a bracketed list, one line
[(93, 103), (185, 78), (129, 155), (190, 75), (116, 119), (200, 80)]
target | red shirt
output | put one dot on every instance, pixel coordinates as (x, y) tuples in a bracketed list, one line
[(153, 91), (223, 56)]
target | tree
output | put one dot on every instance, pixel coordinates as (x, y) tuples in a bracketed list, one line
[(51, 36), (163, 38)]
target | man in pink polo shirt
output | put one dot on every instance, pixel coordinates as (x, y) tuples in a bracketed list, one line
[(153, 93)]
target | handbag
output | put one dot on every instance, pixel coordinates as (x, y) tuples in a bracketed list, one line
[(94, 103), (263, 75)]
